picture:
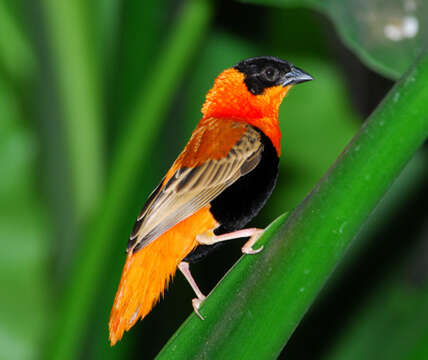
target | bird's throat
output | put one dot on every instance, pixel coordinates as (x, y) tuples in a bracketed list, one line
[(230, 99)]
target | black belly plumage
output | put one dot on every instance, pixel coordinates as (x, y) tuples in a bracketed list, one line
[(242, 201)]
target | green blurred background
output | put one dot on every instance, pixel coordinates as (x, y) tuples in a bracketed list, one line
[(97, 99)]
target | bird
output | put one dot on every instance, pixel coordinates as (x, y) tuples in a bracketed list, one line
[(219, 182)]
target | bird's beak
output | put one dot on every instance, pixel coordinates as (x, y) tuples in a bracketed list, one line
[(296, 76)]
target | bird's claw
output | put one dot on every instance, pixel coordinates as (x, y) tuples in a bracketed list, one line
[(196, 303), (250, 251)]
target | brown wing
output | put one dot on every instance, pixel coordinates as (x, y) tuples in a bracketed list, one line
[(190, 189)]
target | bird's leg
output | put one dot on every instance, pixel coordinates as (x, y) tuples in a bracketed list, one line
[(253, 233), (196, 302), (208, 239)]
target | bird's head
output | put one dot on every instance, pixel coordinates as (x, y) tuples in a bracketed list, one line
[(252, 89)]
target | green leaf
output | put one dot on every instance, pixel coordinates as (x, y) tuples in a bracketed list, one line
[(142, 33), (256, 307), (76, 67), (393, 324), (387, 35), (16, 52), (24, 236), (132, 154)]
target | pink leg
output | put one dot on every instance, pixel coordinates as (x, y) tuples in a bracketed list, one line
[(196, 302), (253, 233)]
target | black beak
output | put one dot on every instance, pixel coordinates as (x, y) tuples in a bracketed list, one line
[(296, 76)]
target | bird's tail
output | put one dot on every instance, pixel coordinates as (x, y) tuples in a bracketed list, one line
[(146, 273)]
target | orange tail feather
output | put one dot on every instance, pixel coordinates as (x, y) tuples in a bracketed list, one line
[(146, 274)]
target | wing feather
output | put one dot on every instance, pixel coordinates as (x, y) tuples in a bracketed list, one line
[(190, 189)]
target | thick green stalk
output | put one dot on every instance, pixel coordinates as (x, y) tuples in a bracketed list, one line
[(74, 61), (132, 154), (254, 310)]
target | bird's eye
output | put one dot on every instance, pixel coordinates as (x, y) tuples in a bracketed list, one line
[(270, 74)]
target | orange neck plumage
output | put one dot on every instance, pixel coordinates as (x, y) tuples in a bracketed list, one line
[(229, 98)]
